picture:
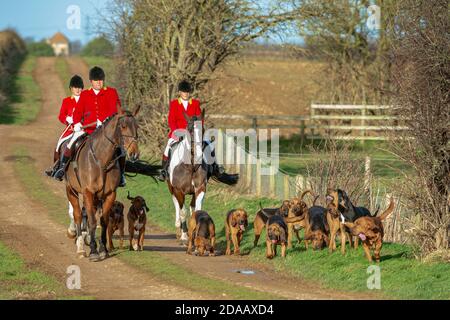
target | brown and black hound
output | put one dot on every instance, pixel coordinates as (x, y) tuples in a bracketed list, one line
[(137, 219), (276, 234), (261, 218), (340, 209), (202, 233), (235, 224), (370, 230), (297, 208), (116, 222)]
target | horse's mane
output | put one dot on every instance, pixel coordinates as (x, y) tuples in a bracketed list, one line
[(99, 129)]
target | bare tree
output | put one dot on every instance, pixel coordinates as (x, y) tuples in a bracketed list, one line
[(422, 83), (162, 42), (357, 65)]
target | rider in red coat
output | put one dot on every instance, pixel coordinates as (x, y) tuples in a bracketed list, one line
[(178, 108), (69, 105), (95, 105)]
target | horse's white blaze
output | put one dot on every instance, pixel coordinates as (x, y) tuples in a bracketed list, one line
[(177, 212), (199, 201)]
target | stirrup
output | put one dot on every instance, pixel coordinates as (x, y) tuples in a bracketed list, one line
[(162, 175), (59, 174)]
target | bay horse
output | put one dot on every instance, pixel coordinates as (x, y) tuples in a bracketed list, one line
[(190, 177), (95, 173)]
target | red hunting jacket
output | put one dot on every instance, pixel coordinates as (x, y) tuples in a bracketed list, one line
[(176, 110), (68, 107), (92, 107)]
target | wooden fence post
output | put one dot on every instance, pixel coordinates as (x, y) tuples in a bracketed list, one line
[(249, 170), (258, 177), (238, 158), (272, 181), (219, 147), (230, 151), (286, 187), (367, 180)]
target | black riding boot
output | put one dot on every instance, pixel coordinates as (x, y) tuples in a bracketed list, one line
[(59, 173), (164, 174), (122, 182)]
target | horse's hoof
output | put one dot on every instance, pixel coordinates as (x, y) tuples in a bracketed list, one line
[(81, 254), (94, 257), (103, 255), (70, 234)]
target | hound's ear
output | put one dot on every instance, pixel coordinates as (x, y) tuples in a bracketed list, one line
[(282, 236), (136, 111), (233, 221), (128, 196), (146, 208)]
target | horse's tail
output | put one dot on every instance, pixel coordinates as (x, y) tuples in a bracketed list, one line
[(142, 167), (228, 179)]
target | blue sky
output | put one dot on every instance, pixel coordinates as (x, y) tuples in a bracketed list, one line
[(42, 18)]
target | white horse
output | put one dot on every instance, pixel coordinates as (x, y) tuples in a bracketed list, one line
[(190, 167)]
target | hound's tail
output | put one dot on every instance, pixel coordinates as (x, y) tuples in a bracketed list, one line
[(228, 179), (388, 211)]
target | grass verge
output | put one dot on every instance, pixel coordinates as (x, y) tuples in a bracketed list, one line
[(24, 98), (402, 277), (17, 281), (63, 72)]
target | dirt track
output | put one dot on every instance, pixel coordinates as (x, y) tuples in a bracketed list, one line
[(26, 227)]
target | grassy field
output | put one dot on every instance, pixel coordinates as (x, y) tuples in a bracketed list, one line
[(24, 97), (401, 276)]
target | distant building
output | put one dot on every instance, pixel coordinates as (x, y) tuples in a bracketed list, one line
[(60, 44)]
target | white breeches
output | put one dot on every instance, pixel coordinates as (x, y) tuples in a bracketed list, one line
[(75, 136), (61, 141), (166, 151)]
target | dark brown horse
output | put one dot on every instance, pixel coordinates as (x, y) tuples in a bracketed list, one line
[(190, 177), (95, 174)]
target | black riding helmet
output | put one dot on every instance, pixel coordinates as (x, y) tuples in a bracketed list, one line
[(96, 73), (184, 86), (76, 82)]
